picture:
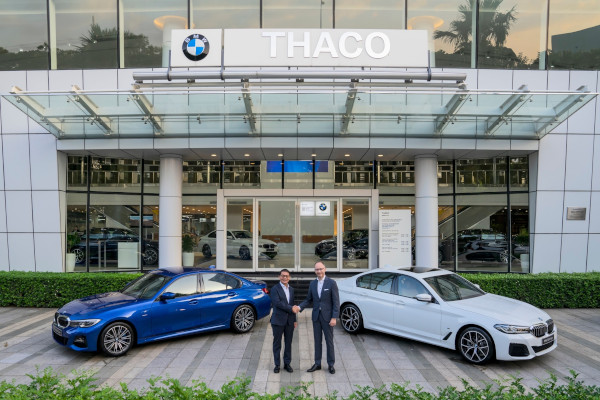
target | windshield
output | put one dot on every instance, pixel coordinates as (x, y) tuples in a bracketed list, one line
[(146, 286), (452, 287), (242, 235)]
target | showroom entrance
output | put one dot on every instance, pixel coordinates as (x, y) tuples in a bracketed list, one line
[(271, 233)]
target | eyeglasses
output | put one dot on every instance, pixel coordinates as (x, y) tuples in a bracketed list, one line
[(284, 276), (319, 269)]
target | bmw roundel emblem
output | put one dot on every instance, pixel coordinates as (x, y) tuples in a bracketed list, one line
[(322, 206), (195, 47)]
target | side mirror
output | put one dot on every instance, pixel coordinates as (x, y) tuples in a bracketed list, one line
[(426, 298), (167, 296)]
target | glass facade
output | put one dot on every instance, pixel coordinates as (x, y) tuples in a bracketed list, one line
[(513, 34), (483, 217)]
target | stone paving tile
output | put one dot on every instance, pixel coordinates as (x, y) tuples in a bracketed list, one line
[(369, 358)]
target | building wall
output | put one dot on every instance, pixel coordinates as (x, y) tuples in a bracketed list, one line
[(564, 173)]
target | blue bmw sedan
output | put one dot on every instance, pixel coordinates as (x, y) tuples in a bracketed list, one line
[(161, 304)]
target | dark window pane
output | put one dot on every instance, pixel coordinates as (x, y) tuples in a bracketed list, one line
[(184, 286), (410, 287), (24, 42)]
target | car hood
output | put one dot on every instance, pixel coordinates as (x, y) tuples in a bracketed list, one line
[(97, 302), (502, 309)]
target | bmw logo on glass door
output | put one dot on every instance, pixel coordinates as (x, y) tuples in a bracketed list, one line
[(195, 47)]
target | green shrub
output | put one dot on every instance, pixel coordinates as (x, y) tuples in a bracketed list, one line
[(187, 244), (48, 385), (547, 290), (51, 289)]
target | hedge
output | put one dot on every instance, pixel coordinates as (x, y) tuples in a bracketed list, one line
[(547, 290), (48, 385)]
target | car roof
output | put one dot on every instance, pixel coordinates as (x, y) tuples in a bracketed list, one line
[(422, 272), (175, 271)]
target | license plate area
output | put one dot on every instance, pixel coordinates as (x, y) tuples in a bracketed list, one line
[(547, 340), (57, 330)]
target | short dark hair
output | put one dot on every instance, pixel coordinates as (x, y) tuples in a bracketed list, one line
[(284, 270)]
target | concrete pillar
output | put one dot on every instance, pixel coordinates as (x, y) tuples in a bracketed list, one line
[(426, 211), (169, 244)]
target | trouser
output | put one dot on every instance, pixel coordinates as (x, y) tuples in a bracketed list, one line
[(321, 328), (287, 331)]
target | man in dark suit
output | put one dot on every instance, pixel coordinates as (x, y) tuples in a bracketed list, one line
[(324, 296), (283, 320)]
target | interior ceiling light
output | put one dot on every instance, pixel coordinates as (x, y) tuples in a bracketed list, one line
[(346, 155)]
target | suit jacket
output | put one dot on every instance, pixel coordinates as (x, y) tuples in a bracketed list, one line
[(328, 304), (282, 309)]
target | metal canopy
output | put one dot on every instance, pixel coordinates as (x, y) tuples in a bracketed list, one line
[(286, 107)]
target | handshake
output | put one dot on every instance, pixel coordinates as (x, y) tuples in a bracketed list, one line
[(296, 309)]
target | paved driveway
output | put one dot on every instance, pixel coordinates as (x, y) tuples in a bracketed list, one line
[(366, 359)]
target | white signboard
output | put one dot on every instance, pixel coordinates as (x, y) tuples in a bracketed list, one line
[(307, 208), (196, 47), (322, 209), (299, 47), (395, 238), (326, 47)]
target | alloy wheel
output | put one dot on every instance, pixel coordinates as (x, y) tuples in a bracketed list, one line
[(243, 319), (117, 339), (351, 319), (476, 346)]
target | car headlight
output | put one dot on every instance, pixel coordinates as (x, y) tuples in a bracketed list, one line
[(83, 323), (512, 329)]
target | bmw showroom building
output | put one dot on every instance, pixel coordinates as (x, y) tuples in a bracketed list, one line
[(268, 134)]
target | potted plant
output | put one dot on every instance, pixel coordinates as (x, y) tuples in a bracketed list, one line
[(187, 246), (73, 239)]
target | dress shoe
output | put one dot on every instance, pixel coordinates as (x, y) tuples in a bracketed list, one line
[(314, 368), (331, 369), (276, 369), (288, 368)]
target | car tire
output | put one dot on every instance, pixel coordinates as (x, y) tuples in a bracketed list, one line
[(243, 319), (116, 339), (79, 255), (475, 345), (150, 256), (351, 318), (351, 253), (206, 251), (244, 253)]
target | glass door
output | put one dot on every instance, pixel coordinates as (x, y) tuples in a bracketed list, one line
[(275, 248), (318, 233)]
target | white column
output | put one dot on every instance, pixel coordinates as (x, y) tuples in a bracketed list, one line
[(426, 211), (169, 244)]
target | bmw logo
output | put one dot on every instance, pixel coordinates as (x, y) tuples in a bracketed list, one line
[(322, 207), (195, 47)]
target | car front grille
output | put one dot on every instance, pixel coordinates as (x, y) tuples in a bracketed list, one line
[(538, 330), (61, 320), (268, 246)]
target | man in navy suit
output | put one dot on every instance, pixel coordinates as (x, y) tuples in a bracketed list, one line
[(324, 296), (283, 320)]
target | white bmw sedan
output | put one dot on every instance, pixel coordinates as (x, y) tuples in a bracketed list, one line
[(442, 308)]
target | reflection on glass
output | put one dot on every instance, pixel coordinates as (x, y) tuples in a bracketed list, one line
[(318, 233), (109, 174), (519, 173), (355, 239), (519, 232), (508, 30), (145, 35), (276, 244), (199, 218), (86, 34), (482, 239), (299, 174), (24, 43), (481, 175), (396, 177), (573, 35), (201, 176), (239, 174), (354, 174), (112, 241), (380, 14), (293, 14), (446, 250), (221, 14), (77, 172), (151, 176), (239, 233), (445, 176), (453, 40)]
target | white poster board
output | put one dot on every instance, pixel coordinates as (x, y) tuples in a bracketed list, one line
[(307, 208), (395, 238)]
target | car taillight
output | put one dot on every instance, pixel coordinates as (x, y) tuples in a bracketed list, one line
[(265, 290)]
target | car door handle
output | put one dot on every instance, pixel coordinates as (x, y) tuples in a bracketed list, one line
[(400, 302), (231, 294), (193, 302)]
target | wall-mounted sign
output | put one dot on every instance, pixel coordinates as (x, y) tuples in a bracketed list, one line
[(307, 208), (395, 238), (576, 213), (299, 47), (322, 209)]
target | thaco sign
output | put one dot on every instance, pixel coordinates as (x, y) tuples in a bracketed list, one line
[(298, 47)]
